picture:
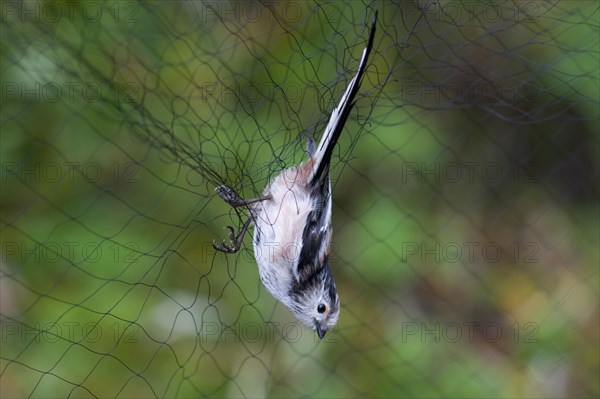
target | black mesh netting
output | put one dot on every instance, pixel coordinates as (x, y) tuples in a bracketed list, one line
[(465, 188)]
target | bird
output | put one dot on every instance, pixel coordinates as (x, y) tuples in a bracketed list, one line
[(293, 223)]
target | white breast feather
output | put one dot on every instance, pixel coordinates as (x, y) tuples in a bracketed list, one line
[(280, 222)]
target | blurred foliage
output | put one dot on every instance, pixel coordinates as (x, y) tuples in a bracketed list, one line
[(465, 188)]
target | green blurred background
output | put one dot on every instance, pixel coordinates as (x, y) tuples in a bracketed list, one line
[(465, 198)]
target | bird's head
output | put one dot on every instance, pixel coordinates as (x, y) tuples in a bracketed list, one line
[(316, 303)]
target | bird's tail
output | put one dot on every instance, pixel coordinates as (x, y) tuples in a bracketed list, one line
[(339, 116)]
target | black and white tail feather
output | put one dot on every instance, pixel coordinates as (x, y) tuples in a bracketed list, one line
[(292, 219)]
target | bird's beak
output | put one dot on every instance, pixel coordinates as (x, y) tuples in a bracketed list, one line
[(320, 331)]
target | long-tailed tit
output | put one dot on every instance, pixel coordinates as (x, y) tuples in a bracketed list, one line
[(292, 233)]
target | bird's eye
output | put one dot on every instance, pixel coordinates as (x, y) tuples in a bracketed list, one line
[(321, 308)]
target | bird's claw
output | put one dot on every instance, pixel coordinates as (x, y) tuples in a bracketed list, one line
[(229, 195), (232, 246)]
